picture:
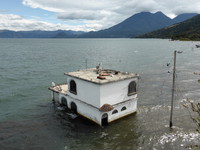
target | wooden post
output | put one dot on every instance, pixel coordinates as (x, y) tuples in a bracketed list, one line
[(173, 89)]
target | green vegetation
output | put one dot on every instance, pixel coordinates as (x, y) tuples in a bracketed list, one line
[(195, 107), (194, 110), (187, 30), (184, 37)]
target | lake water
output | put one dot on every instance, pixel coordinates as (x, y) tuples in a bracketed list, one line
[(29, 120)]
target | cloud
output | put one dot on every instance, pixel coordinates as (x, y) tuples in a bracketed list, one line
[(105, 13), (3, 10), (87, 15), (44, 4), (18, 23), (101, 14), (130, 7)]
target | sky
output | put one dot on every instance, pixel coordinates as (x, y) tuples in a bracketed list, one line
[(83, 15)]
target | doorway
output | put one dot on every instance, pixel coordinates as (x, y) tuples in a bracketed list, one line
[(104, 119)]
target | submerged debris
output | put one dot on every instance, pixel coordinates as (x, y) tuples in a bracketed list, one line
[(197, 73), (195, 107)]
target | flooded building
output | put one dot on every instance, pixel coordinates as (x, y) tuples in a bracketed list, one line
[(101, 95)]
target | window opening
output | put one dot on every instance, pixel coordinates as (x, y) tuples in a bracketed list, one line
[(114, 111), (132, 88), (74, 107), (73, 87), (123, 108), (64, 101)]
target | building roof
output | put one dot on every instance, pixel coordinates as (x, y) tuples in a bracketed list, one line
[(101, 76)]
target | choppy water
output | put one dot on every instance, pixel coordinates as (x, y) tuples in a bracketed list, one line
[(28, 119)]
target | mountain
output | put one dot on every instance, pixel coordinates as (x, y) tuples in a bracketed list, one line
[(183, 17), (135, 25), (68, 34), (187, 30), (138, 24), (39, 34)]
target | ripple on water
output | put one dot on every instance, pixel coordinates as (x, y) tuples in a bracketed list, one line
[(184, 139)]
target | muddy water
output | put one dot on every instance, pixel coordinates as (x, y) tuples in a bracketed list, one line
[(29, 120)]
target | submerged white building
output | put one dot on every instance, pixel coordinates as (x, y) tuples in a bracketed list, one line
[(101, 95)]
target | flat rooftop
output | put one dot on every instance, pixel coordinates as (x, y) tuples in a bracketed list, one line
[(101, 76)]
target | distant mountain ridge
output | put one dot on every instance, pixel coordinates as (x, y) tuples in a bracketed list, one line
[(133, 26), (39, 34), (186, 30), (138, 24), (183, 17)]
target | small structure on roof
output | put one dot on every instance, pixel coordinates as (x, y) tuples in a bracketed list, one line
[(101, 95)]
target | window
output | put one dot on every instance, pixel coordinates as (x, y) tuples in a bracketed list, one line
[(114, 111), (73, 87), (64, 101), (74, 107), (132, 88), (123, 108)]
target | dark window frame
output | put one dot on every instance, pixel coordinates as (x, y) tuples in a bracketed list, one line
[(115, 111), (74, 107), (123, 108), (132, 88), (73, 87), (64, 101)]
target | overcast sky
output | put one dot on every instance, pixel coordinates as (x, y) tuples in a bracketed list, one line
[(84, 15)]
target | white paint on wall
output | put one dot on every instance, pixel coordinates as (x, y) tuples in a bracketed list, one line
[(91, 96), (86, 91), (115, 92)]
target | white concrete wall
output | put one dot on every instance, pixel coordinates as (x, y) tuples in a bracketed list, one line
[(131, 107), (86, 91), (116, 92), (95, 115), (83, 109)]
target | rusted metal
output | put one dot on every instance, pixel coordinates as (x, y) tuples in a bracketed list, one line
[(104, 74), (106, 107), (101, 77)]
